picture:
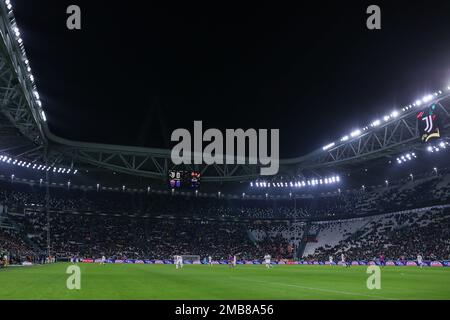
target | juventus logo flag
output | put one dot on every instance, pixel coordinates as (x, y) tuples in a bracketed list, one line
[(429, 124)]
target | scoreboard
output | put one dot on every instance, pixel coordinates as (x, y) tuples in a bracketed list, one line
[(179, 179)]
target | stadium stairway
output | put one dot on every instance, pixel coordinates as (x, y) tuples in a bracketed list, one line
[(302, 245), (14, 225), (252, 238)]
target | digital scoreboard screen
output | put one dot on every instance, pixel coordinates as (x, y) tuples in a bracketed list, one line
[(429, 124), (184, 179)]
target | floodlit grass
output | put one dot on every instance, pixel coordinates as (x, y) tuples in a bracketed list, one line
[(134, 281)]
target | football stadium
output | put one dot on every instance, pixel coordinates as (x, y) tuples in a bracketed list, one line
[(335, 195)]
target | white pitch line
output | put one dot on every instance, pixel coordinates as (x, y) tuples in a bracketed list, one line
[(317, 289)]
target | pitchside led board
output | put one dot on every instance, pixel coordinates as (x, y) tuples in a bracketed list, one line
[(429, 124), (184, 179)]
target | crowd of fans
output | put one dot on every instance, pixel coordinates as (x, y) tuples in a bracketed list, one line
[(157, 226)]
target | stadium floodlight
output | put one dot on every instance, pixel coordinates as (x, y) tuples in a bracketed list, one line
[(386, 118), (427, 98), (376, 123), (251, 184), (43, 116), (328, 146), (418, 102), (344, 138), (394, 114), (355, 133)]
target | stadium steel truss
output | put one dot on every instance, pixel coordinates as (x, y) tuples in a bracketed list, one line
[(24, 131)]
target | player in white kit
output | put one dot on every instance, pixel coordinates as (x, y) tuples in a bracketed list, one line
[(178, 262), (343, 260), (419, 261), (103, 260), (210, 260), (267, 261), (331, 260)]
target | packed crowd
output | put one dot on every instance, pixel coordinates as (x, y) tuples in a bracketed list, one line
[(134, 237), (425, 191), (127, 225)]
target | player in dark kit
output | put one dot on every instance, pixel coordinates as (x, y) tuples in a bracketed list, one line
[(382, 261)]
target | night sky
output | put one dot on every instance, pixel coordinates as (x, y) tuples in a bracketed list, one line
[(138, 70)]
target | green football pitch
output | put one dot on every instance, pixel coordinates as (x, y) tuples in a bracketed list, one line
[(113, 281)]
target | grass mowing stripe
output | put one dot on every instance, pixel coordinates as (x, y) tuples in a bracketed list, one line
[(321, 290)]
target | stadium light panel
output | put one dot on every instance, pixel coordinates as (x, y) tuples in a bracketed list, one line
[(344, 138), (376, 123), (355, 133), (427, 98), (43, 116), (328, 146)]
